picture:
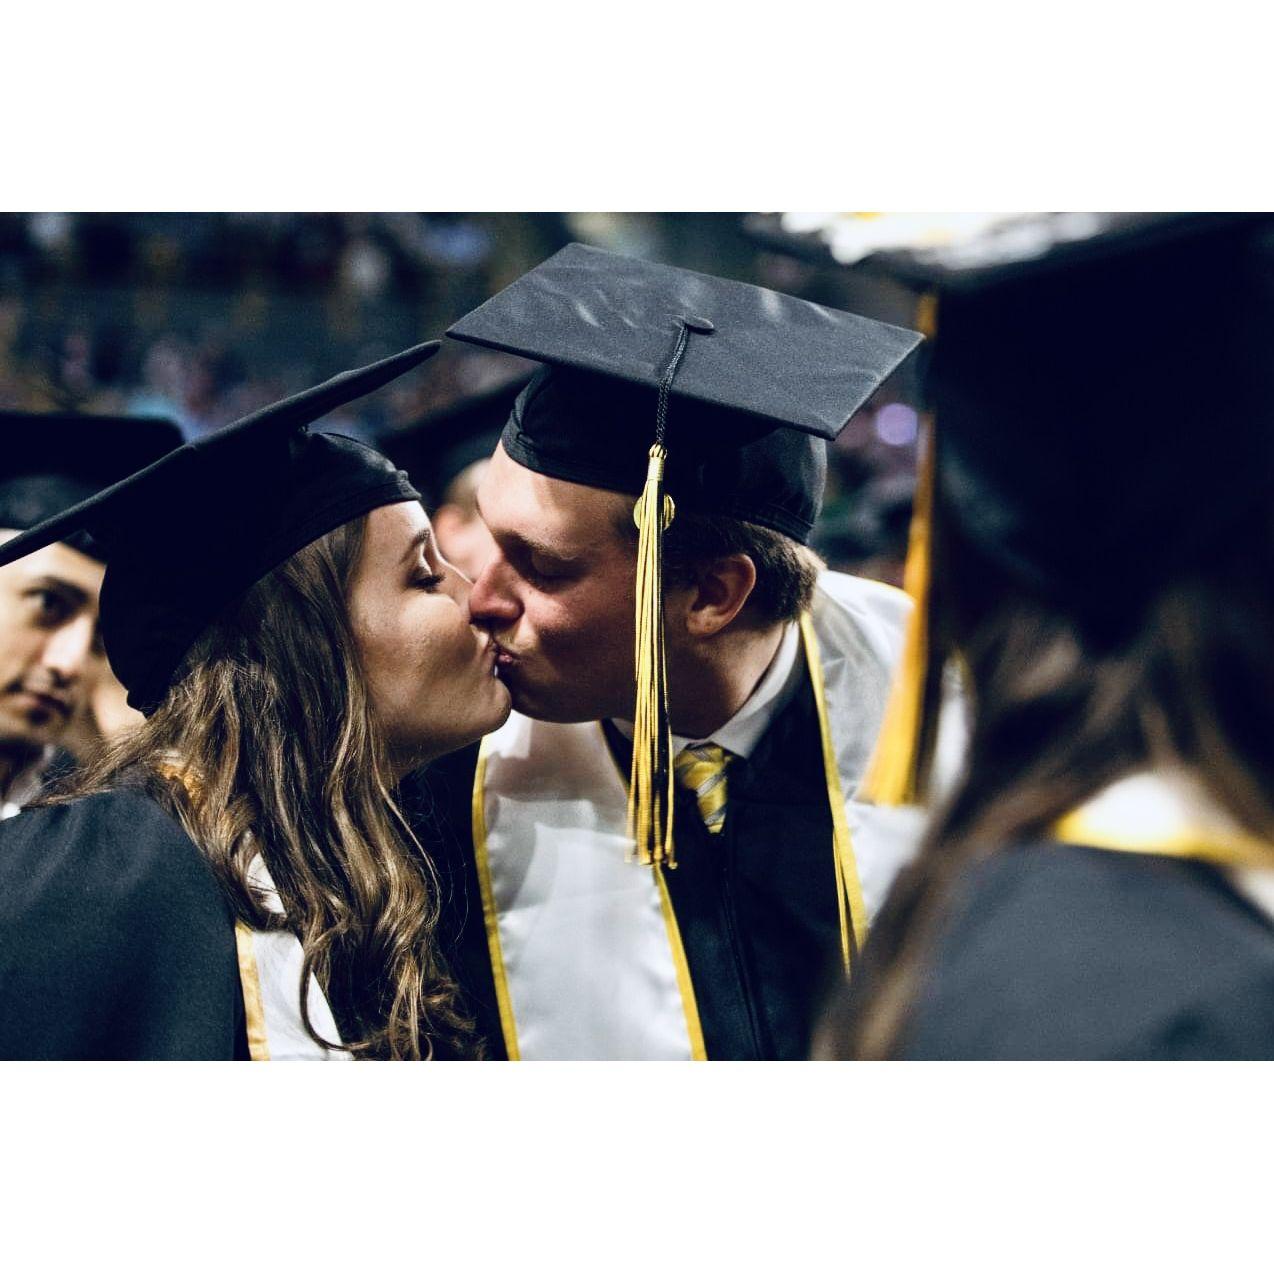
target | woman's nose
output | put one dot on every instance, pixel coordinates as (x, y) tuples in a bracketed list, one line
[(458, 587)]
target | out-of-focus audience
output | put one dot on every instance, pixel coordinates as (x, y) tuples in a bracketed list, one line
[(204, 317)]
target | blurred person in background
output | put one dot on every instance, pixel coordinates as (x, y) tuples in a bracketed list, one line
[(51, 661), (881, 518), (749, 755), (104, 716), (234, 880), (1100, 883), (447, 452), (867, 533), (466, 541)]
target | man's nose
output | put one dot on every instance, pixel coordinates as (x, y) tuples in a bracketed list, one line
[(492, 601), (68, 650)]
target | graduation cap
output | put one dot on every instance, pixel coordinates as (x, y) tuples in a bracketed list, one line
[(1078, 362), (189, 533), (442, 444), (50, 461), (694, 393)]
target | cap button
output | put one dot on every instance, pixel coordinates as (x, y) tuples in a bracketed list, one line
[(698, 324)]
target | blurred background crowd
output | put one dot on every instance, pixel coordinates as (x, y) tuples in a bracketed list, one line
[(203, 317)]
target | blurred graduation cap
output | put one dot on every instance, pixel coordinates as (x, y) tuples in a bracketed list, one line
[(878, 517), (50, 461), (1076, 367), (694, 392), (189, 533), (442, 444)]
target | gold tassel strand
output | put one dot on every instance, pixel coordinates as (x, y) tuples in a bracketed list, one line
[(650, 791), (897, 773)]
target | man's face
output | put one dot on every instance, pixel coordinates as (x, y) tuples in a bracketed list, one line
[(559, 594), (49, 645)]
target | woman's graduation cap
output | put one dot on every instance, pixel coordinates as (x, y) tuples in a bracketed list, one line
[(186, 535), (678, 387), (50, 461), (1077, 364)]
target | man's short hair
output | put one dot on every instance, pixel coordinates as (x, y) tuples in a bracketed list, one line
[(786, 572)]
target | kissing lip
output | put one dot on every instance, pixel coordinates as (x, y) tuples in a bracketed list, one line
[(48, 702)]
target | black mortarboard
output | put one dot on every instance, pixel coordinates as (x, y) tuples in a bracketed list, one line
[(737, 388), (1103, 405), (762, 379), (188, 534), (51, 461), (439, 446), (1071, 387)]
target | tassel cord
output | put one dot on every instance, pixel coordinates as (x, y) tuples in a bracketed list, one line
[(650, 792)]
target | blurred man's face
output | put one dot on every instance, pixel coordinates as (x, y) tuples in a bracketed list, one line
[(49, 646), (462, 536), (559, 594)]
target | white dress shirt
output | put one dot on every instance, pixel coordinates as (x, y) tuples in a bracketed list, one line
[(772, 694)]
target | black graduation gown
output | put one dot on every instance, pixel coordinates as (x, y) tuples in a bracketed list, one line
[(755, 905), (115, 939), (1066, 952)]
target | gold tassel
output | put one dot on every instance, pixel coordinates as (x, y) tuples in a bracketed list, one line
[(896, 774), (650, 793)]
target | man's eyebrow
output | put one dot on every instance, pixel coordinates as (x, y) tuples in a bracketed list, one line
[(54, 584), (422, 537), (529, 544)]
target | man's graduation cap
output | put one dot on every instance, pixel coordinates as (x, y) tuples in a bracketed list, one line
[(50, 461), (188, 534), (692, 392), (1102, 390)]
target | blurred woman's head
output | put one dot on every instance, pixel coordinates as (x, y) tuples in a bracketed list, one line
[(1101, 552), (1102, 559), (1059, 709), (1065, 701)]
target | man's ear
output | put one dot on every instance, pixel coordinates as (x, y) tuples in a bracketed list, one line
[(719, 594)]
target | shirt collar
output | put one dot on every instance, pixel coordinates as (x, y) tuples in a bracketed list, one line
[(743, 731)]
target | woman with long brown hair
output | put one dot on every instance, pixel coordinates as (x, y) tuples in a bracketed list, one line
[(235, 878), (1100, 882)]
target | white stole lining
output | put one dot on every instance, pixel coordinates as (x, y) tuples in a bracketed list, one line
[(278, 958), (587, 957)]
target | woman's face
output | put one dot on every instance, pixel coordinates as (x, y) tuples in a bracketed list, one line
[(430, 672)]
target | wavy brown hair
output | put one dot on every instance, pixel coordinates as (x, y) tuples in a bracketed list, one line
[(268, 743), (1061, 707)]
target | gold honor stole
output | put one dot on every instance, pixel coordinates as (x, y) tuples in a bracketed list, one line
[(1152, 814), (270, 976), (585, 949)]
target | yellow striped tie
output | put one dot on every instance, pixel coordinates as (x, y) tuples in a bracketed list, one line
[(701, 769)]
